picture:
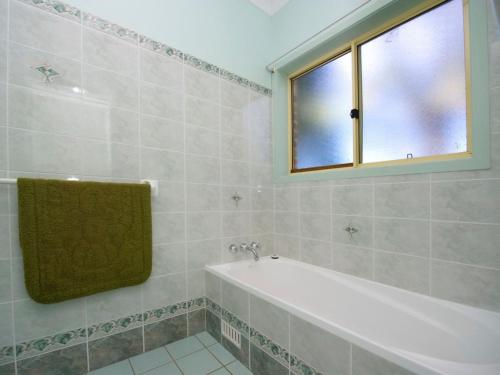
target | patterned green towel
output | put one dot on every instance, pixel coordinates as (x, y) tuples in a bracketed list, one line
[(80, 238)]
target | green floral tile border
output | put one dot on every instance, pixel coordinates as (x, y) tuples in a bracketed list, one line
[(299, 367), (170, 311), (264, 343), (213, 307), (110, 28), (77, 336), (115, 326), (56, 7), (6, 355), (89, 20), (50, 343)]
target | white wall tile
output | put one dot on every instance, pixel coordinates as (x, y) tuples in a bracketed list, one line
[(356, 261), (270, 320), (402, 236), (353, 200), (233, 95), (202, 141), (201, 84), (124, 126), (470, 285), (202, 113), (203, 226), (169, 258), (475, 244), (402, 271), (110, 53), (410, 200), (44, 31), (163, 165), (235, 300), (161, 133), (109, 88), (36, 320), (161, 70), (318, 348), (202, 170), (161, 102), (315, 199), (202, 197), (476, 201), (316, 252)]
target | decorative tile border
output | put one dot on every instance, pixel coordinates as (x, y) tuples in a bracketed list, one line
[(115, 326), (297, 366), (170, 311), (50, 343), (61, 340), (89, 20), (274, 350), (231, 77), (56, 7), (160, 48), (260, 89), (6, 355), (110, 28), (197, 303), (213, 307), (201, 65)]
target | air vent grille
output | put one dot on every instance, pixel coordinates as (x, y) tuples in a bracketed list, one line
[(231, 334)]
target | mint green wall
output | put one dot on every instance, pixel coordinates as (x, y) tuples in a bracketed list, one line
[(232, 34), (299, 19)]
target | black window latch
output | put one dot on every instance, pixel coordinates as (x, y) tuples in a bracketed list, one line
[(354, 113)]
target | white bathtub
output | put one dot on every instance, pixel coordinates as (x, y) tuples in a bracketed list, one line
[(422, 334)]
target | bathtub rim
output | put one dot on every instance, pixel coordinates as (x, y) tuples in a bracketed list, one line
[(393, 355)]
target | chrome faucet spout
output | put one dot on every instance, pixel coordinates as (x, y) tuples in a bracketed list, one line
[(254, 246)]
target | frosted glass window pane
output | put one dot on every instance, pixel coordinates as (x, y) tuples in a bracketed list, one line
[(413, 88), (322, 128)]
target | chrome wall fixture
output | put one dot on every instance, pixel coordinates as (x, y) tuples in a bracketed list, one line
[(236, 198), (253, 248), (351, 230)]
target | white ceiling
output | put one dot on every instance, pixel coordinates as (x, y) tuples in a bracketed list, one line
[(269, 6)]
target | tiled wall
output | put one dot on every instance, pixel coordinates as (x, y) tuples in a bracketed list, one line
[(434, 234), (124, 108)]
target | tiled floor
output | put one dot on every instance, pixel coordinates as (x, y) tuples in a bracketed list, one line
[(195, 355)]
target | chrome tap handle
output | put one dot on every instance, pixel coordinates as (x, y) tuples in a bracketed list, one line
[(233, 249), (255, 245)]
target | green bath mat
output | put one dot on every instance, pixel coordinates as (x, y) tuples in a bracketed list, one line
[(80, 238)]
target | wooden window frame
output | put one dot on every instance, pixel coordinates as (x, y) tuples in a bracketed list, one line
[(353, 47)]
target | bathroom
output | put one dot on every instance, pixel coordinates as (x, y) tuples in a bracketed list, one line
[(314, 187)]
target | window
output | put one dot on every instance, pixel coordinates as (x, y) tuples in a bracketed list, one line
[(404, 87), (322, 133)]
